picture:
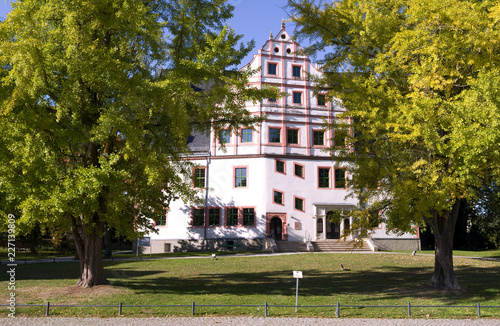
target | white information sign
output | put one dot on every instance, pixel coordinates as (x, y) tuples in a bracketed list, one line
[(297, 274)]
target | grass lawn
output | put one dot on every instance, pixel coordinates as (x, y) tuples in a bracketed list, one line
[(492, 253), (117, 254), (367, 279)]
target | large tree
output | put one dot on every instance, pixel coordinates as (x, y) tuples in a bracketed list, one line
[(91, 133), (420, 80)]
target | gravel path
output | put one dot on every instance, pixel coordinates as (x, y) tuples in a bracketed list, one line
[(243, 321)]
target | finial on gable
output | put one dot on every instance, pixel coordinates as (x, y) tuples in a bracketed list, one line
[(283, 24), (271, 35)]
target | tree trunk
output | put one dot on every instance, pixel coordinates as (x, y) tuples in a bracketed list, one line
[(443, 225), (89, 249)]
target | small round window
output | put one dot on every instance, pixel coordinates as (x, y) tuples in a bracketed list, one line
[(288, 51), (283, 36), (276, 49)]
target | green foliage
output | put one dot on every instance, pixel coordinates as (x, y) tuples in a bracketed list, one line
[(420, 81), (90, 132)]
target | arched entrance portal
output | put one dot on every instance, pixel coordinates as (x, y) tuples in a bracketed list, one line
[(276, 226)]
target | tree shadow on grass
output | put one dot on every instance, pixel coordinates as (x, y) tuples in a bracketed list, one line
[(388, 283), (480, 284), (68, 270)]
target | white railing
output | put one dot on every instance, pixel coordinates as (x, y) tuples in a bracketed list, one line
[(308, 241)]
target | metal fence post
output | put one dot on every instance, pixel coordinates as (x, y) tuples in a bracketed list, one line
[(192, 308), (265, 309), (47, 308), (478, 310), (120, 309), (409, 310), (337, 311)]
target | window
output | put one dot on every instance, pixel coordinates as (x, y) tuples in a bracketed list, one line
[(347, 224), (272, 100), (198, 217), (318, 138), (231, 216), (248, 217), (320, 225), (299, 204), (278, 197), (292, 136), (240, 177), (271, 68), (340, 181), (274, 135), (298, 170), (225, 136), (214, 217), (296, 71), (246, 135), (321, 99), (161, 219), (297, 97), (280, 166), (199, 177), (339, 138), (324, 177)]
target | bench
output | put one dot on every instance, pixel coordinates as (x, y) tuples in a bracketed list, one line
[(230, 246)]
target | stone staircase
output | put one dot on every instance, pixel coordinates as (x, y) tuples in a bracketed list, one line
[(291, 246), (335, 245)]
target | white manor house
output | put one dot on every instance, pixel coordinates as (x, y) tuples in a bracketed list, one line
[(273, 187)]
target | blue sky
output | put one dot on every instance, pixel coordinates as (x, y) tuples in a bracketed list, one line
[(255, 19)]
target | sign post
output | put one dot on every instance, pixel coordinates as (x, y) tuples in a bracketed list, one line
[(144, 242), (297, 275)]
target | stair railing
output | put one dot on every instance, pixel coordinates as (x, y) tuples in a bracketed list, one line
[(308, 241)]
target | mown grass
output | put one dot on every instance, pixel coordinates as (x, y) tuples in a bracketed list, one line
[(23, 256), (367, 279), (492, 253)]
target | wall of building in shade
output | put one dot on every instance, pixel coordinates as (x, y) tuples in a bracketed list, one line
[(277, 181)]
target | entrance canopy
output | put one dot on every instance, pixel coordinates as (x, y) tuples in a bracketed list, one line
[(326, 229)]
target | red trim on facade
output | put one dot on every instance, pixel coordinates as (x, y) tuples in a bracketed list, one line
[(166, 221), (303, 204), (276, 166), (329, 177), (283, 218), (192, 214), (298, 137), (345, 176), (238, 224), (324, 139), (207, 217), (193, 177), (254, 218), (283, 196), (303, 170), (234, 176), (269, 135)]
